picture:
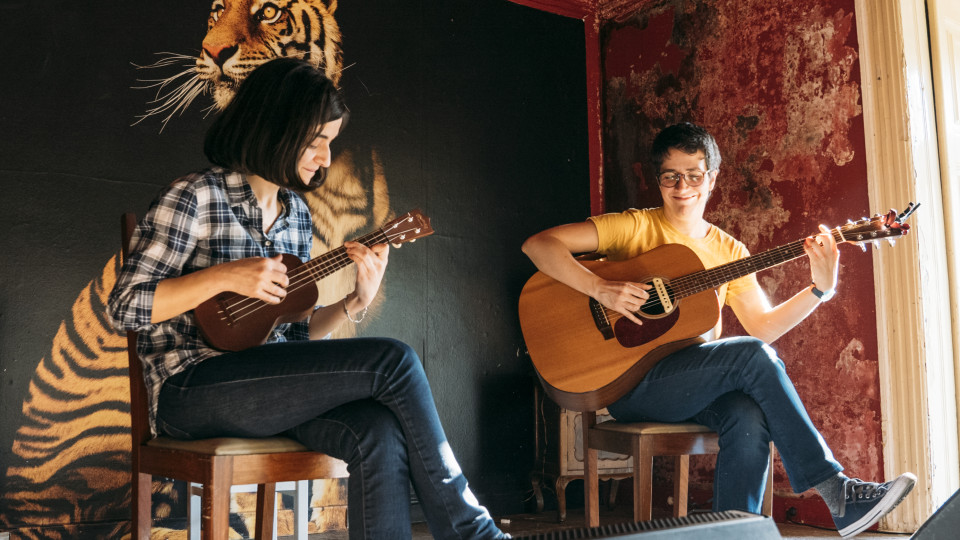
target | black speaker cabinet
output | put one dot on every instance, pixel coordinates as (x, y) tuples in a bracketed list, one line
[(730, 525), (944, 523)]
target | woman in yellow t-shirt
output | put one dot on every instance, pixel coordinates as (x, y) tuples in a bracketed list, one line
[(737, 386)]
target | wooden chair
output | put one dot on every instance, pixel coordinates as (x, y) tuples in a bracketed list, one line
[(217, 464), (642, 441)]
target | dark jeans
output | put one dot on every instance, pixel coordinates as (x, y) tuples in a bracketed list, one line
[(366, 401), (739, 388)]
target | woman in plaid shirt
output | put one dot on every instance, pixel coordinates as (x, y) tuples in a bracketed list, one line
[(366, 401)]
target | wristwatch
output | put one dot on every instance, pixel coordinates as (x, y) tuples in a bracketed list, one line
[(822, 295)]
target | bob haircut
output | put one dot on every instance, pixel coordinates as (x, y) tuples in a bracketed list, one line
[(277, 111), (688, 138)]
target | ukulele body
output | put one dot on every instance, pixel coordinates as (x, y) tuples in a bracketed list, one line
[(233, 322)]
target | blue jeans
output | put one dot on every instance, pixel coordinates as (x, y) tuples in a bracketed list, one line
[(739, 388), (365, 401)]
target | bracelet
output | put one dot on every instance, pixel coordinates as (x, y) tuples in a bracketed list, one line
[(823, 296), (347, 313)]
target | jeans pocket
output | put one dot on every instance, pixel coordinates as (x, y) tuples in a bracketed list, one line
[(164, 428)]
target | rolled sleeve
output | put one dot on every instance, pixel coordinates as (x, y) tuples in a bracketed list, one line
[(164, 240)]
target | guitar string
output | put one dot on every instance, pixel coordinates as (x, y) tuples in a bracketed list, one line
[(309, 272), (714, 277)]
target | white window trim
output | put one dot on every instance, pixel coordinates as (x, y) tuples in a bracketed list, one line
[(916, 349)]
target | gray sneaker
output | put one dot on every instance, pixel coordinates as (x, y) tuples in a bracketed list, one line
[(864, 503)]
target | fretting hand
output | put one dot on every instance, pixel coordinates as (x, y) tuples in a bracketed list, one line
[(824, 257), (371, 264)]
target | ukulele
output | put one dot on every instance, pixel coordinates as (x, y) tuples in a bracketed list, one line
[(234, 322), (588, 356)]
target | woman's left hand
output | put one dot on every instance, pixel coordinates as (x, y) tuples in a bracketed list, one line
[(824, 259), (371, 264)]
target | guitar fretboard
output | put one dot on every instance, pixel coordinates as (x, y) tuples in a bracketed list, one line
[(712, 278)]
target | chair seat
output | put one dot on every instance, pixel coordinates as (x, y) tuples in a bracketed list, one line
[(230, 446), (650, 428)]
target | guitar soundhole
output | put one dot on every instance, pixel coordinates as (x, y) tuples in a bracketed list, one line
[(653, 307)]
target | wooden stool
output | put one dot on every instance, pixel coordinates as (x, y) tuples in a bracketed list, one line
[(642, 441)]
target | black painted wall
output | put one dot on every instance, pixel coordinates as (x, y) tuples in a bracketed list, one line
[(477, 110)]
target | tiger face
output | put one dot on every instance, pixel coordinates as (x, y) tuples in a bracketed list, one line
[(242, 34)]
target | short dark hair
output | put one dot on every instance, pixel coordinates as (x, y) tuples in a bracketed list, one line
[(686, 137), (276, 112)]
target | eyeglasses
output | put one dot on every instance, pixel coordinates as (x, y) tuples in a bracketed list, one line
[(671, 179)]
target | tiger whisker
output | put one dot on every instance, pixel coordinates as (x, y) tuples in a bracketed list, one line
[(170, 58), (176, 100)]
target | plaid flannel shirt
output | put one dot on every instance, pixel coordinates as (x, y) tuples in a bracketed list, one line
[(200, 220)]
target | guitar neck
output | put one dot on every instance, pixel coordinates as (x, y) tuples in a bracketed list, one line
[(335, 259), (712, 278)]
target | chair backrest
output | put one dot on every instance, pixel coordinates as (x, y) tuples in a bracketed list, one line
[(139, 422)]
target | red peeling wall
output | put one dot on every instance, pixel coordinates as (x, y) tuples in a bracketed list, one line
[(777, 83)]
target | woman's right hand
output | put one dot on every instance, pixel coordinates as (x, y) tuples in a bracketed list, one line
[(264, 278)]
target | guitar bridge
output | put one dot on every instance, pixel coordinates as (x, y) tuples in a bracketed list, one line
[(600, 319)]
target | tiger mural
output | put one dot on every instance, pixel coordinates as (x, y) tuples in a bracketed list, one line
[(70, 456)]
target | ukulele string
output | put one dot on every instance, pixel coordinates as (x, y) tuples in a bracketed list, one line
[(247, 306), (308, 273)]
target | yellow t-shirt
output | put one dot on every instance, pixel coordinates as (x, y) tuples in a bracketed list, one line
[(630, 233)]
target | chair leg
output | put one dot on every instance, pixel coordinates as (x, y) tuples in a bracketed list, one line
[(560, 488), (140, 506), (301, 510), (590, 478), (194, 496), (215, 505), (612, 496), (642, 481), (767, 509), (266, 504), (681, 477)]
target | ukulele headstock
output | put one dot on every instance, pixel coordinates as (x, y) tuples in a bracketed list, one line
[(407, 228), (888, 226)]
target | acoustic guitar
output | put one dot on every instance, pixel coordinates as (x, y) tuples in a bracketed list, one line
[(234, 322), (588, 356)]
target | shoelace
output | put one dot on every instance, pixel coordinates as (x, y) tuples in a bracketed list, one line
[(856, 489)]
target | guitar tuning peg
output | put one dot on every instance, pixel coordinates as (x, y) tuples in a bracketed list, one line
[(397, 246), (850, 221), (876, 244), (414, 240), (892, 241), (863, 247)]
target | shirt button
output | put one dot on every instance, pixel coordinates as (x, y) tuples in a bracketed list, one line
[(268, 243)]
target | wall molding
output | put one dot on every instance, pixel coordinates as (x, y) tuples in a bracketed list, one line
[(902, 166)]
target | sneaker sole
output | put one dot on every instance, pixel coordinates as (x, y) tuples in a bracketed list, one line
[(902, 485)]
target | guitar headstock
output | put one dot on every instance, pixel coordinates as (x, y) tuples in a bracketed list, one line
[(888, 226), (407, 228)]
